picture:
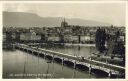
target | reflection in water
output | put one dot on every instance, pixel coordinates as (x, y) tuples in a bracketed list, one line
[(73, 50), (16, 63)]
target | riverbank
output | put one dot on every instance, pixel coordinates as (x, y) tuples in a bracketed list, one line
[(107, 59), (62, 44), (69, 44)]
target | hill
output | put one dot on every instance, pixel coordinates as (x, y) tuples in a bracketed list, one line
[(23, 19)]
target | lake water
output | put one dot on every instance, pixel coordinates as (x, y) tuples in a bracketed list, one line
[(18, 64)]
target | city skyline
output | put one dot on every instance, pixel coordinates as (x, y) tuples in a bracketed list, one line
[(63, 40), (113, 13)]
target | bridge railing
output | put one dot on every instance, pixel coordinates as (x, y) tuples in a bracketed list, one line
[(77, 58)]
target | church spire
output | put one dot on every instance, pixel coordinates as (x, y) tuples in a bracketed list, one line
[(64, 23)]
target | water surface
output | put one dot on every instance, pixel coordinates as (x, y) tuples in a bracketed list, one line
[(16, 63)]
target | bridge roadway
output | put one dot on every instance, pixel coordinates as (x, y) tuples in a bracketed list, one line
[(103, 66)]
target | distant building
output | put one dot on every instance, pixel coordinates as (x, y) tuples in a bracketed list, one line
[(30, 36), (64, 23), (53, 38)]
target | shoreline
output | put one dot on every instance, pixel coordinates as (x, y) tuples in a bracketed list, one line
[(68, 44)]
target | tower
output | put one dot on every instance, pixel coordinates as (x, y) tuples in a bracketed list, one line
[(64, 23)]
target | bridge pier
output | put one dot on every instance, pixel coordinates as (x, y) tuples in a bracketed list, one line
[(84, 65), (62, 61), (109, 74), (38, 54), (44, 55), (90, 69), (52, 58), (75, 65), (26, 50), (32, 52)]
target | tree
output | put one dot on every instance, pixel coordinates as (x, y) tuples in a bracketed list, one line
[(116, 46), (100, 40)]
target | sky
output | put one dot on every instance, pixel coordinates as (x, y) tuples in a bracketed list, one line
[(64, 0), (112, 13)]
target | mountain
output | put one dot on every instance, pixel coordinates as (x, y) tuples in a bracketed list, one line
[(24, 19)]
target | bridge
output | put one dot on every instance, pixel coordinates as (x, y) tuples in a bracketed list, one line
[(77, 62)]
